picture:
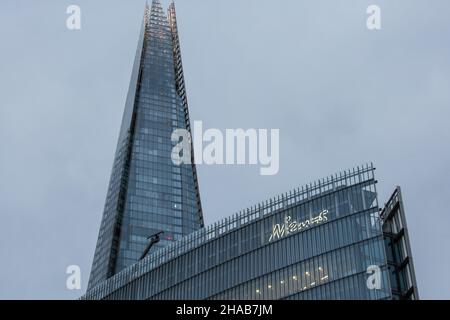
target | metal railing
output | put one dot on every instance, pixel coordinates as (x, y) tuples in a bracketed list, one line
[(294, 197)]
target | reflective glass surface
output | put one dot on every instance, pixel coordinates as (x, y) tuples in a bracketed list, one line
[(239, 258), (147, 192)]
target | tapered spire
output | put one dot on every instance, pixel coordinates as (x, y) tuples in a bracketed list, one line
[(148, 193)]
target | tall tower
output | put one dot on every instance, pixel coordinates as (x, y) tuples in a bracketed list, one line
[(148, 193)]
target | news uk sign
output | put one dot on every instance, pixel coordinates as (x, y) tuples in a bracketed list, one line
[(289, 226)]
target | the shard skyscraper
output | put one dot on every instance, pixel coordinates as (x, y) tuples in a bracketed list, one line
[(148, 193)]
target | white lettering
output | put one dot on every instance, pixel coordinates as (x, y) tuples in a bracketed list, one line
[(73, 22), (374, 280), (281, 230), (246, 143), (374, 19), (73, 281), (181, 152)]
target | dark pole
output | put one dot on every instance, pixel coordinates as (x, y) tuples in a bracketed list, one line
[(153, 239)]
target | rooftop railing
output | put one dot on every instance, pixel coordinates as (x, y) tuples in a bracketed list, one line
[(307, 192)]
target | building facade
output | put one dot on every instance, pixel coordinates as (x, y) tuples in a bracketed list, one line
[(398, 249), (322, 241), (326, 240), (147, 193)]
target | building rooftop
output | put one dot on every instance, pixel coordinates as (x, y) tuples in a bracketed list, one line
[(259, 211)]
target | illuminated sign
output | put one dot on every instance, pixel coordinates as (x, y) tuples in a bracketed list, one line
[(291, 226)]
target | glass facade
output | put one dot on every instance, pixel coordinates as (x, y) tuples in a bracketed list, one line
[(326, 240), (316, 242), (398, 249), (147, 192)]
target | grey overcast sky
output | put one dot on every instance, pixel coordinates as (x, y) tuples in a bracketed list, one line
[(340, 94)]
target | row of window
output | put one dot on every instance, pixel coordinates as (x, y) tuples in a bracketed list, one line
[(275, 284), (271, 256), (349, 288), (304, 276), (247, 243)]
